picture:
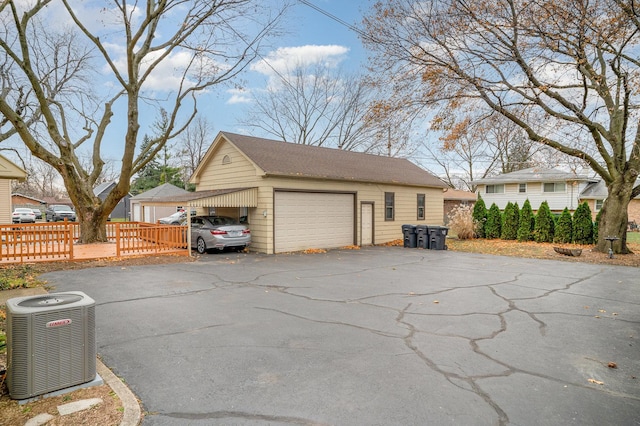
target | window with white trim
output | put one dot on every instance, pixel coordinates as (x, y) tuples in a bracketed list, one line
[(495, 189), (522, 188), (554, 187), (599, 204)]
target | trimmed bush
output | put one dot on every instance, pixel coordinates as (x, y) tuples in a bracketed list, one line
[(493, 225), (526, 222), (461, 222), (510, 222), (596, 227), (543, 231), (564, 229), (480, 216), (582, 225)]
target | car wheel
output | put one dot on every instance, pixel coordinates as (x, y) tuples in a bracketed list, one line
[(201, 247)]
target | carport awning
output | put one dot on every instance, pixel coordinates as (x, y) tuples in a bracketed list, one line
[(242, 197), (233, 197)]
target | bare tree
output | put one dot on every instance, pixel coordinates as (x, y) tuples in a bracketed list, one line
[(565, 71), (50, 93), (193, 145), (315, 105)]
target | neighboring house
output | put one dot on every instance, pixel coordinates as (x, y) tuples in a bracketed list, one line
[(148, 206), (297, 197), (21, 200), (454, 198), (596, 193), (122, 209), (558, 188), (8, 172), (53, 200)]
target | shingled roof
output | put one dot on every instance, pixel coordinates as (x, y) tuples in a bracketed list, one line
[(294, 160), (533, 174)]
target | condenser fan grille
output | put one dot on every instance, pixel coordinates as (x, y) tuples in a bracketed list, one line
[(51, 343)]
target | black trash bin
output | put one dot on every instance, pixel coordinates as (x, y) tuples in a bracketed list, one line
[(409, 233), (438, 237), (422, 236)]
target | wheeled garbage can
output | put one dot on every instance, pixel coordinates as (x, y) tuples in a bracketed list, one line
[(422, 234), (438, 237), (409, 234)]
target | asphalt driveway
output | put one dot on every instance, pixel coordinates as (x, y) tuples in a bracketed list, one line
[(379, 336)]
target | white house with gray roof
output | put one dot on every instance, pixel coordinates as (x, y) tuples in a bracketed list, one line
[(558, 188)]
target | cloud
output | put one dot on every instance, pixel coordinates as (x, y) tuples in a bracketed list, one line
[(285, 59), (238, 96)]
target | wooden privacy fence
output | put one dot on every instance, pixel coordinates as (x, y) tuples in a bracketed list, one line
[(55, 241)]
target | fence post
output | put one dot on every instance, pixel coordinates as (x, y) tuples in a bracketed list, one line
[(70, 237), (118, 240)]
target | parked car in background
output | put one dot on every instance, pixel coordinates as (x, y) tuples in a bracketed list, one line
[(57, 212), (38, 213), (23, 215), (218, 232), (174, 219)]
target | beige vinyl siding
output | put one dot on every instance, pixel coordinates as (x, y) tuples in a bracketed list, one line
[(5, 200), (385, 231), (239, 172)]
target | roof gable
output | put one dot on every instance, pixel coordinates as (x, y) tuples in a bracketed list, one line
[(9, 170), (164, 190), (534, 174), (294, 160), (103, 187)]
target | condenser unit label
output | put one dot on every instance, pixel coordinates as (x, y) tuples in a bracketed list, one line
[(58, 323)]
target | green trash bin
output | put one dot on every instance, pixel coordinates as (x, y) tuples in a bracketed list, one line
[(409, 234)]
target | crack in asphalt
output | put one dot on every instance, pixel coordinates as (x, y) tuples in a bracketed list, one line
[(402, 319)]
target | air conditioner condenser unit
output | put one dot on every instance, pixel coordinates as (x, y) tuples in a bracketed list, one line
[(51, 343)]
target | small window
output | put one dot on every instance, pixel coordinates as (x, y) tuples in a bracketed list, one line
[(226, 160), (554, 187), (522, 188), (389, 205), (421, 199), (495, 189), (599, 204)]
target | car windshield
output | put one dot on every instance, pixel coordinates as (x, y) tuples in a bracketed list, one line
[(222, 220), (24, 211), (176, 215), (62, 208)]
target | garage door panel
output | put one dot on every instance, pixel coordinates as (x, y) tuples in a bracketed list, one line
[(313, 220)]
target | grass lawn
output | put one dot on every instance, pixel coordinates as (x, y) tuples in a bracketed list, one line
[(633, 237)]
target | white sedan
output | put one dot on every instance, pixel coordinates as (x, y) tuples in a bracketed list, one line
[(23, 215)]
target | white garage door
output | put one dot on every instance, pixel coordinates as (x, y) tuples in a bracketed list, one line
[(312, 220)]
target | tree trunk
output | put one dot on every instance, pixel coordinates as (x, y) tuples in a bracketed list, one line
[(613, 218), (93, 226)]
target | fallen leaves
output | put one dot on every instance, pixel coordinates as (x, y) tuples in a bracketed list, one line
[(612, 365), (595, 382), (314, 251)]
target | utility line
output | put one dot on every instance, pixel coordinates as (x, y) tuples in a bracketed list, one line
[(333, 17)]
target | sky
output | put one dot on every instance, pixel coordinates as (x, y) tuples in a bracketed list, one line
[(313, 38), (310, 37)]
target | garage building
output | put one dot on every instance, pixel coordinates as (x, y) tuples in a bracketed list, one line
[(297, 197)]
